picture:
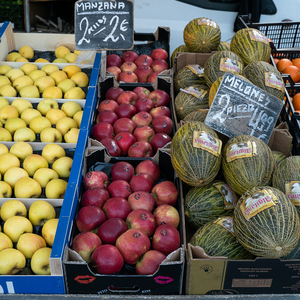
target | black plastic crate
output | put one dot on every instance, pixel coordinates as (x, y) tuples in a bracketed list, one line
[(13, 11)]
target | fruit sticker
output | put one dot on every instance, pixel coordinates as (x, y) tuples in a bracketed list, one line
[(257, 36), (228, 64), (227, 223), (274, 81), (205, 141), (241, 150), (292, 190), (205, 21), (257, 202), (229, 196), (196, 69), (198, 93)]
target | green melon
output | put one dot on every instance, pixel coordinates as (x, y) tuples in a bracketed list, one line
[(223, 46), (266, 222), (197, 115), (251, 45), (202, 35), (219, 63), (187, 76), (247, 162), (195, 153), (295, 254), (181, 48), (279, 156), (217, 238), (213, 90), (206, 203), (266, 77), (189, 99)]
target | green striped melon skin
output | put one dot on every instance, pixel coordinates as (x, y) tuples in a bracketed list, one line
[(202, 35), (279, 156), (256, 72), (197, 115), (194, 166), (185, 102), (181, 48), (242, 174), (204, 204), (218, 241), (213, 67), (223, 46), (249, 49), (213, 90), (295, 254), (273, 232)]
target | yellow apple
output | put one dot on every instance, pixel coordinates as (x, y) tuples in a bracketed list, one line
[(28, 68), (21, 150), (70, 57), (64, 124), (12, 261), (56, 189), (6, 112), (40, 211), (42, 60), (29, 243), (13, 124), (29, 91), (21, 104), (52, 152), (61, 51), (70, 108), (13, 207), (15, 226), (46, 104), (54, 114), (49, 231), (4, 80), (52, 92), (13, 174), (21, 82), (37, 124), (78, 117), (40, 261), (77, 52), (8, 160), (3, 149), (3, 102), (26, 51), (13, 56), (24, 134), (44, 175), (60, 61), (5, 135), (34, 162), (63, 166), (75, 93), (27, 187), (66, 84), (80, 79), (4, 69), (50, 68), (22, 59), (5, 241), (70, 70), (13, 74), (72, 136), (7, 90), (58, 76), (51, 135), (43, 82), (35, 74), (5, 190), (28, 114)]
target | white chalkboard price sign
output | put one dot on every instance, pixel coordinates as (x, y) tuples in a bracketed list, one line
[(104, 25), (240, 107)]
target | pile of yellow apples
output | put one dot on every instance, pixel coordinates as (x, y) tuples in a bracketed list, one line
[(47, 122), (26, 237), (25, 173)]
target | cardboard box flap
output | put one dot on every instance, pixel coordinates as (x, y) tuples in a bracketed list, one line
[(198, 252)]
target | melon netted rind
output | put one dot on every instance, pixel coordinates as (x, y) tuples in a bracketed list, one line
[(224, 45), (250, 49), (256, 72), (194, 166), (218, 241), (213, 69), (202, 35), (242, 174), (197, 115), (279, 156), (205, 204), (273, 232), (180, 48)]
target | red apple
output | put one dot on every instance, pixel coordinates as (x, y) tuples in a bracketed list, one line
[(160, 97), (149, 262), (162, 124), (107, 105), (84, 243), (89, 218), (143, 220), (126, 110), (116, 207), (166, 214), (159, 53), (114, 70), (159, 65), (111, 146), (102, 130), (140, 149), (113, 92), (150, 167), (144, 104), (165, 192), (141, 182), (129, 55), (127, 97), (113, 60), (107, 116), (143, 133), (141, 200), (124, 125), (143, 72), (107, 259), (142, 118), (159, 140), (122, 170), (119, 188), (128, 66), (152, 77), (94, 197), (125, 140), (128, 77), (133, 244), (94, 179), (111, 229), (141, 91), (143, 60), (160, 111), (166, 239)]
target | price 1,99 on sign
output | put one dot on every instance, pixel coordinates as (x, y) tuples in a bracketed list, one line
[(104, 25)]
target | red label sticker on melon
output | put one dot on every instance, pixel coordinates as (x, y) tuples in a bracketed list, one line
[(274, 81), (229, 196), (205, 21), (196, 69), (241, 150), (230, 65), (198, 93), (292, 191), (258, 36), (205, 141), (227, 223)]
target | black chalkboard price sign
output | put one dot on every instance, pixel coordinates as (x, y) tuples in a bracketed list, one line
[(104, 25), (240, 107)]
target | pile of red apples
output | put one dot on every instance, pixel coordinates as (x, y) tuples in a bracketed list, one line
[(127, 218), (131, 67), (133, 123)]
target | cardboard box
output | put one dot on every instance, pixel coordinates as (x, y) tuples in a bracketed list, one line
[(80, 278)]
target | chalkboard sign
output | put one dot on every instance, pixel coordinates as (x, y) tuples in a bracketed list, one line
[(240, 107), (104, 25)]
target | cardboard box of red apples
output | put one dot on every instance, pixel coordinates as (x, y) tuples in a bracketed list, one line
[(131, 246)]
